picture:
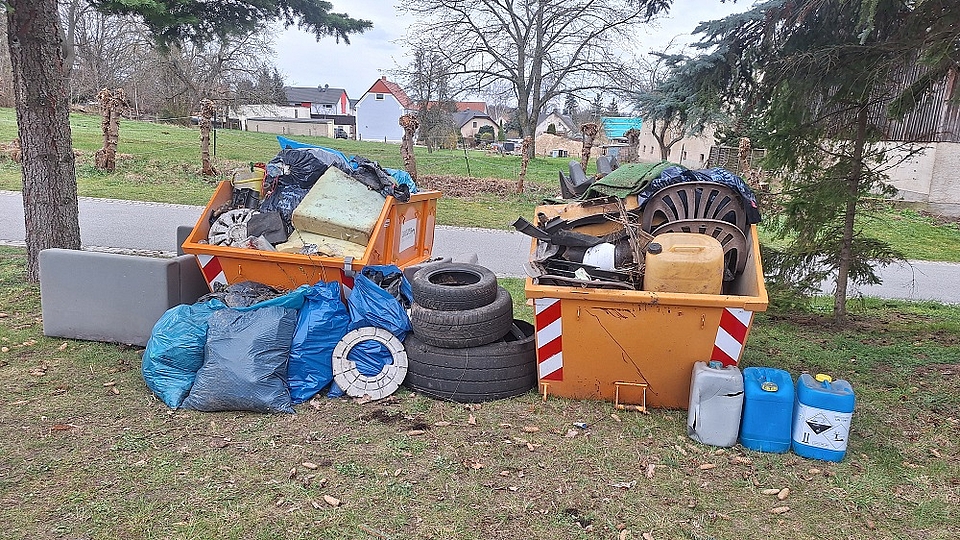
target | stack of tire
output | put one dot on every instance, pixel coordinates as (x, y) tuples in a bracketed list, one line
[(466, 346)]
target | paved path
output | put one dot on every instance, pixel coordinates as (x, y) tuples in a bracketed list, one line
[(108, 223)]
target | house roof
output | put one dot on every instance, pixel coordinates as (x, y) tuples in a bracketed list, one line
[(616, 126), (383, 86), (463, 117), (313, 94), (459, 106), (567, 121)]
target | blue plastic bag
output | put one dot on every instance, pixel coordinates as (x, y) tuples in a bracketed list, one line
[(245, 362), (322, 323), (403, 177), (174, 352), (371, 305)]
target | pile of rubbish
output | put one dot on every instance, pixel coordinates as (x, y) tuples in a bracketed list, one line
[(308, 200), (605, 230), (251, 347)]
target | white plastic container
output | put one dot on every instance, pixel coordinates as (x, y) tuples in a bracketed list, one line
[(716, 399)]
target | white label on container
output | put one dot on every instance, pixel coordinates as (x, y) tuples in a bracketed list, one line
[(408, 235), (821, 428)]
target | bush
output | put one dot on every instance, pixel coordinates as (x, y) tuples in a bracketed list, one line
[(552, 129)]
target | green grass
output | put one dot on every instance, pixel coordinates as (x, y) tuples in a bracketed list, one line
[(160, 163), (78, 460)]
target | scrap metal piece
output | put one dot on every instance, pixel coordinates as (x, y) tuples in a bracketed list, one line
[(230, 228)]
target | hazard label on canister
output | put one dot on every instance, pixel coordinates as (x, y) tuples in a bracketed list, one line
[(821, 428)]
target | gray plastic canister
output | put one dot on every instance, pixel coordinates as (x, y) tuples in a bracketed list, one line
[(716, 400)]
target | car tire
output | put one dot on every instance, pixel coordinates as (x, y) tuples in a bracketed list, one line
[(498, 370), (454, 286), (464, 328)]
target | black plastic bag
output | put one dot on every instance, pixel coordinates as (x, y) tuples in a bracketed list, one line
[(372, 175), (245, 364)]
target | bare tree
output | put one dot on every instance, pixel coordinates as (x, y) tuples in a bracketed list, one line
[(112, 105), (427, 81), (540, 50), (206, 113), (409, 124), (590, 131)]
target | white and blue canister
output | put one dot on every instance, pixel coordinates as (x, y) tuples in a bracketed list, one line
[(716, 399), (821, 418)]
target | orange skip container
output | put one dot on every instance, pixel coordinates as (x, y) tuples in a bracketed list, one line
[(403, 236), (629, 346)]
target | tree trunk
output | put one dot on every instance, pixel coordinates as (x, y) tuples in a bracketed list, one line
[(50, 208), (409, 124), (111, 107), (633, 143), (206, 113), (524, 161), (850, 213), (589, 130)]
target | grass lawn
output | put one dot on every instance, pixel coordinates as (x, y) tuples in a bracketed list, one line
[(160, 163), (87, 452)]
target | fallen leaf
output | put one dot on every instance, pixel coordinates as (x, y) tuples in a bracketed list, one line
[(110, 383), (680, 449), (315, 404), (783, 494), (62, 347), (530, 447), (292, 474), (504, 473), (3, 315), (743, 460), (115, 390), (309, 465), (780, 510), (870, 524), (397, 472), (476, 465), (441, 424), (513, 488), (280, 501), (624, 485), (4, 349), (415, 432), (316, 505), (650, 468), (331, 500), (647, 536), (472, 420), (707, 466), (571, 433), (615, 417), (770, 491), (62, 427), (935, 453), (506, 426), (814, 471), (530, 429)]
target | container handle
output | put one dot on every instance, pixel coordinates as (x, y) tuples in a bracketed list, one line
[(687, 248)]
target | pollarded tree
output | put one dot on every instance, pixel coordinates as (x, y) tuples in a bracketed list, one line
[(35, 38), (540, 49), (826, 78)]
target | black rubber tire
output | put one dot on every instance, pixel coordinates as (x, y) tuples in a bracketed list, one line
[(464, 328), (498, 370), (454, 286)]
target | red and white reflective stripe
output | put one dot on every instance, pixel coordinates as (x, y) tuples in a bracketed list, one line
[(731, 335), (549, 339), (212, 271)]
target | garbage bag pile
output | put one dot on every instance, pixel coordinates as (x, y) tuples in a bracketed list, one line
[(605, 230), (265, 218), (250, 347)]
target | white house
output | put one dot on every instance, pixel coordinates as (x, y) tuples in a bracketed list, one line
[(562, 124), (379, 111)]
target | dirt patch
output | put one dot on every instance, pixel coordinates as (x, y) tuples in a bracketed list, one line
[(465, 187)]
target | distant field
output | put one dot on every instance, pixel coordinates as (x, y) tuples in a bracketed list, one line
[(161, 162)]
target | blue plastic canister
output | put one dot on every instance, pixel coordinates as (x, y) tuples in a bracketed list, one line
[(821, 418), (767, 409)]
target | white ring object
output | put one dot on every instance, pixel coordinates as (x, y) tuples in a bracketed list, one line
[(378, 386)]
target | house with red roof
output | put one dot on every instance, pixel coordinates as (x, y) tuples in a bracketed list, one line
[(379, 110)]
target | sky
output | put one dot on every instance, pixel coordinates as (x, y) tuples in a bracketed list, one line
[(305, 62)]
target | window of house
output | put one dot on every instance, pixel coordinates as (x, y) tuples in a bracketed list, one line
[(378, 97), (474, 124)]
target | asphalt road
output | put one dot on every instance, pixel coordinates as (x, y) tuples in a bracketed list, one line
[(142, 226)]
